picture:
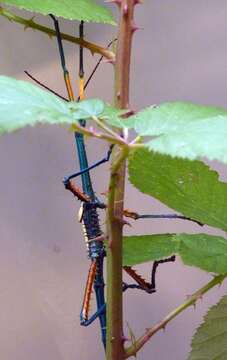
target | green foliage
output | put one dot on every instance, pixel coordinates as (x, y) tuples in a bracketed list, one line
[(204, 251), (143, 248), (87, 10), (22, 104), (112, 116), (87, 108), (189, 187), (210, 339), (169, 117), (184, 130)]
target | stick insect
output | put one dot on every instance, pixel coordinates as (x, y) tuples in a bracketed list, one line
[(88, 214)]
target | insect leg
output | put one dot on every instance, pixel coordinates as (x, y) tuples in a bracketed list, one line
[(87, 294), (155, 267), (142, 284), (87, 169), (62, 57), (95, 278)]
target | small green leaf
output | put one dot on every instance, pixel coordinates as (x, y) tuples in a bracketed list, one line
[(143, 248), (86, 108), (23, 104), (112, 116), (210, 339), (87, 10), (203, 251), (185, 130), (189, 187)]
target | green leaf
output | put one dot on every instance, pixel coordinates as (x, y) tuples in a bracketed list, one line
[(189, 187), (86, 108), (112, 116), (22, 104), (87, 10), (204, 251), (185, 130), (210, 339), (168, 117), (143, 248)]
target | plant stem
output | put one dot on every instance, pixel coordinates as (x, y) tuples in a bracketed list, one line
[(138, 344), (94, 48), (115, 339), (92, 133)]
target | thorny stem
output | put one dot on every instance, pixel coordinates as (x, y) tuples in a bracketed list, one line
[(191, 301), (115, 340), (94, 48)]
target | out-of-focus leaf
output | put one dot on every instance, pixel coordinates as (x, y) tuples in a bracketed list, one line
[(87, 10), (210, 339)]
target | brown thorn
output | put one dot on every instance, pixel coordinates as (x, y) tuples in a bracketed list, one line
[(122, 221), (125, 10)]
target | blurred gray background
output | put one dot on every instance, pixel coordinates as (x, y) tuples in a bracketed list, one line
[(180, 54)]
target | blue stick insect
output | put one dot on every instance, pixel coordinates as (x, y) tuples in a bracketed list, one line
[(88, 214)]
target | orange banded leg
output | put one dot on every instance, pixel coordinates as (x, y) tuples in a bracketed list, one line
[(88, 291), (81, 88), (68, 85), (84, 315), (140, 282), (62, 57)]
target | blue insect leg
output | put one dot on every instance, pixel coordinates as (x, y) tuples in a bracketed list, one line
[(100, 297), (88, 168), (87, 322)]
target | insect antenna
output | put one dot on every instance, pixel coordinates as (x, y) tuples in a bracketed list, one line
[(44, 86), (97, 65)]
